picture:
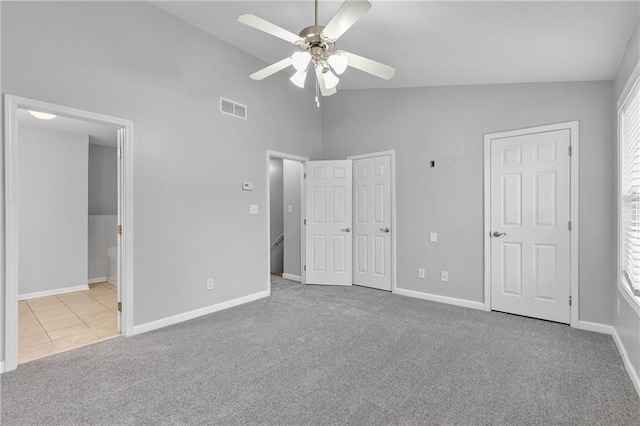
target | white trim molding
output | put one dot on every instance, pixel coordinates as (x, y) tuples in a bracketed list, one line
[(186, 316), (1, 367), (54, 292), (633, 374), (574, 142), (11, 105), (291, 277), (97, 280), (595, 327), (441, 299)]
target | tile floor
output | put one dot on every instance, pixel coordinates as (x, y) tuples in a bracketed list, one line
[(52, 324)]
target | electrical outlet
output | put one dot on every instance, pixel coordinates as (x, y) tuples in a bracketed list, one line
[(210, 284), (433, 237), (254, 209), (421, 273), (444, 276)]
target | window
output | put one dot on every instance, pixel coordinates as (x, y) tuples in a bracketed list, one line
[(629, 131)]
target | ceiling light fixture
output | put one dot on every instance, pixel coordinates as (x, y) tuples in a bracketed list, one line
[(316, 43), (299, 78), (42, 115)]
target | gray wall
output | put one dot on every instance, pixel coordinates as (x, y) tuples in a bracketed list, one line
[(102, 235), (276, 217), (447, 124), (626, 318), (52, 209), (103, 180), (131, 60), (103, 206), (292, 225)]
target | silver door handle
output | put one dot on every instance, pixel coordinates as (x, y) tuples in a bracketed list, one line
[(384, 229), (346, 230), (498, 234)]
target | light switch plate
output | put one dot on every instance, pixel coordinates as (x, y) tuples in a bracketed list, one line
[(433, 237), (247, 186), (421, 273), (289, 208), (254, 209), (444, 276)]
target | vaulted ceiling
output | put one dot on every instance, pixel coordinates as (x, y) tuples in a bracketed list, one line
[(443, 43)]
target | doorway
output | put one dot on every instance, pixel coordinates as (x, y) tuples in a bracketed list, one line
[(531, 186), (59, 302), (285, 173)]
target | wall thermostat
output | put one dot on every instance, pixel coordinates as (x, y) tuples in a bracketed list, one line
[(247, 186)]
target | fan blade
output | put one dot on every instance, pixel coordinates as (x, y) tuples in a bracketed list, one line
[(271, 69), (348, 14), (269, 28), (370, 66), (323, 87)]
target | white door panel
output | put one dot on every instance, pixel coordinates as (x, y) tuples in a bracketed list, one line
[(372, 222), (328, 227), (530, 204)]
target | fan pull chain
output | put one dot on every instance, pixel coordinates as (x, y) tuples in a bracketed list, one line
[(316, 13), (317, 97)]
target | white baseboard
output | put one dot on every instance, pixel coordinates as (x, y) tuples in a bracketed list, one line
[(175, 319), (633, 374), (1, 367), (596, 327), (111, 282), (291, 277), (97, 280), (53, 292), (442, 299)]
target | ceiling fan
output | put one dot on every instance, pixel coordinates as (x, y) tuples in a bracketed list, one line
[(316, 44)]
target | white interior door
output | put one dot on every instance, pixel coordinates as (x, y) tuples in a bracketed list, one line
[(530, 236), (119, 229), (372, 222), (328, 222)]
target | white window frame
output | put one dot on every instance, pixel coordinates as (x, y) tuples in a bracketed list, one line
[(623, 285)]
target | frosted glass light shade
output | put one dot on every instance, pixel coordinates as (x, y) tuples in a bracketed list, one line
[(42, 115), (330, 79), (300, 60), (338, 62), (299, 78)]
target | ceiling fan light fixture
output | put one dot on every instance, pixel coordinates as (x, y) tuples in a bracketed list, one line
[(338, 62), (299, 78), (330, 78), (300, 60)]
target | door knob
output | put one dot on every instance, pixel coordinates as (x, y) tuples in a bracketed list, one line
[(499, 234), (384, 229), (346, 230)]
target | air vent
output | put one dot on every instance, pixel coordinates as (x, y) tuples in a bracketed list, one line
[(233, 108)]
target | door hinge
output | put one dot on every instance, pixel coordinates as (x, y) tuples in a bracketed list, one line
[(569, 300), (569, 225), (570, 150), (119, 152), (305, 175), (305, 267), (305, 221), (119, 229), (119, 306)]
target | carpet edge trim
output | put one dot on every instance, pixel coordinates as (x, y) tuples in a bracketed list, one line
[(633, 374), (54, 292), (442, 299), (186, 316)]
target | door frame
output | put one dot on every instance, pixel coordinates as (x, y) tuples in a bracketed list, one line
[(125, 247), (284, 156), (574, 140), (392, 154)]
